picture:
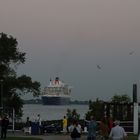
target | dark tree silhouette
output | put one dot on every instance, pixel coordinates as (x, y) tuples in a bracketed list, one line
[(13, 86)]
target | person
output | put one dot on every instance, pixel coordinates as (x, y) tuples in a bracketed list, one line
[(92, 127), (39, 119), (117, 132), (39, 123), (65, 124), (104, 128), (27, 128), (4, 126), (110, 123), (75, 130)]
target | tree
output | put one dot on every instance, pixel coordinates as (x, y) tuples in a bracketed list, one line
[(96, 109), (72, 115), (121, 98), (9, 54), (12, 85), (122, 109)]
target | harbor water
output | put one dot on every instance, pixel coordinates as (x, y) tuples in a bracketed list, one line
[(51, 112)]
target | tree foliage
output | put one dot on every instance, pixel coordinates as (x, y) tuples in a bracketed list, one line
[(9, 51), (121, 99), (12, 85), (96, 109), (72, 114)]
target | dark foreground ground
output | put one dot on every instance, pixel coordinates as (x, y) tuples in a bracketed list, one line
[(50, 136), (56, 136)]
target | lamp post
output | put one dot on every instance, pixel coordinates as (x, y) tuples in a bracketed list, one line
[(1, 83)]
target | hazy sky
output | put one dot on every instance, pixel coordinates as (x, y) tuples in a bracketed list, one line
[(69, 38)]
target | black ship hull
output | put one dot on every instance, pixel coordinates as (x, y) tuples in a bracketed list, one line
[(55, 100)]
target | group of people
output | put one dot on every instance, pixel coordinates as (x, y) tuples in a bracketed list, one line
[(4, 122), (74, 128), (106, 128), (27, 128)]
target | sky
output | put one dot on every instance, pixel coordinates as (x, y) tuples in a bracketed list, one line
[(92, 45)]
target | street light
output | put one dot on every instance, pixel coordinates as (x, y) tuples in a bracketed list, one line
[(1, 83)]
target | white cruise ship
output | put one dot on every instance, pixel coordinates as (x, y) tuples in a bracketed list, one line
[(56, 93)]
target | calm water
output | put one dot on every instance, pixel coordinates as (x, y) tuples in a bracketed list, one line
[(51, 112)]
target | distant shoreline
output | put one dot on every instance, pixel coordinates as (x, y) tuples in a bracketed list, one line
[(39, 101)]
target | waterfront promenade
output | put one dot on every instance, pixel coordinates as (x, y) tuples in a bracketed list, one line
[(52, 136), (45, 136)]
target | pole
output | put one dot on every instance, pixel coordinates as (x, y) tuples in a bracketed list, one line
[(135, 118), (13, 128), (1, 83), (136, 110)]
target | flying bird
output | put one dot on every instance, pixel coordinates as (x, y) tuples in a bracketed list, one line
[(130, 53), (98, 66)]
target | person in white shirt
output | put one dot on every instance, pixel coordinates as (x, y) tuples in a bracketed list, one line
[(39, 123), (39, 119), (75, 135), (117, 132)]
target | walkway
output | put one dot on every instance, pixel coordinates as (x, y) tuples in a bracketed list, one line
[(44, 137)]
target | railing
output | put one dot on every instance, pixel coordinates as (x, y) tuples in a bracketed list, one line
[(127, 125)]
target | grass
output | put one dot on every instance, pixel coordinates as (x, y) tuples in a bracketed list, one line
[(22, 138), (132, 138), (129, 137)]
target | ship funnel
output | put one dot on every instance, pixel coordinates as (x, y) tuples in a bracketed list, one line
[(57, 80)]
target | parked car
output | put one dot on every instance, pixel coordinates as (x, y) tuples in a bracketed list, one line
[(52, 128)]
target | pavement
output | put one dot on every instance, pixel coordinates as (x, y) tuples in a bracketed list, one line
[(44, 136)]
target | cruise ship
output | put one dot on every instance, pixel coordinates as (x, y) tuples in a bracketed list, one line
[(56, 93)]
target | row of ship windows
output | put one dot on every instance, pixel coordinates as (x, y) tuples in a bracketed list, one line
[(54, 89)]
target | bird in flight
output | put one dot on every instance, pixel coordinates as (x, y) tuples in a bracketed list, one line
[(130, 53), (98, 66)]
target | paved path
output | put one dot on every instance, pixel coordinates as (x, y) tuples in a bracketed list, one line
[(59, 137), (45, 137)]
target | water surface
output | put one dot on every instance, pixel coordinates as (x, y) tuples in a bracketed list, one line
[(48, 112)]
